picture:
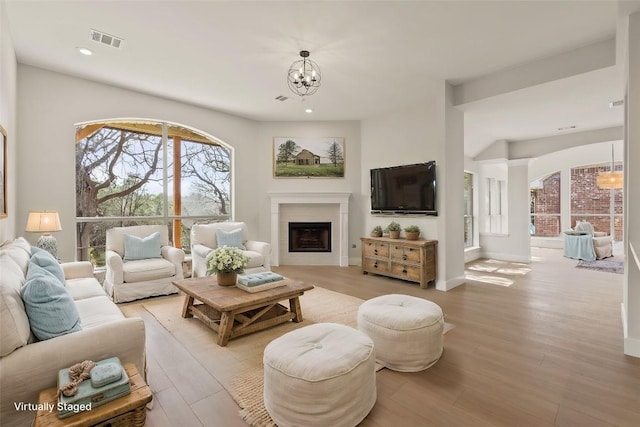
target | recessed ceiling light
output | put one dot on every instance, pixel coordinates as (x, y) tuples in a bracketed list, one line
[(567, 127), (85, 51), (308, 111)]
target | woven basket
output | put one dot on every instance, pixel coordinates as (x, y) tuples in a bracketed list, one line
[(134, 418)]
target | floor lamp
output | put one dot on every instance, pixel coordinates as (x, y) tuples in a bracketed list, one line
[(45, 222)]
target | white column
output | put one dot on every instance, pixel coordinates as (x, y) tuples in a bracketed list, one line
[(275, 232), (631, 290), (518, 192)]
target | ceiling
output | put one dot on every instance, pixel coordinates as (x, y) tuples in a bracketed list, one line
[(375, 56)]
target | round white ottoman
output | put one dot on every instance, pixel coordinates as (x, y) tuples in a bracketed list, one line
[(406, 331), (320, 375)]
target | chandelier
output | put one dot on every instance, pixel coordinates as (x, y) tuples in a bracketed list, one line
[(610, 180), (304, 75)]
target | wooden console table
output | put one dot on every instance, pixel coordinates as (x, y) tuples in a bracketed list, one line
[(412, 260)]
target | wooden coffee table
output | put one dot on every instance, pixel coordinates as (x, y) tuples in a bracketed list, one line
[(232, 312)]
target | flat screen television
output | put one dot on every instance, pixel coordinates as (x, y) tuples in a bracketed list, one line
[(404, 189)]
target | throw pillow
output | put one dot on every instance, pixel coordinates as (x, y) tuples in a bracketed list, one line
[(49, 306), (136, 248), (47, 261), (230, 238)]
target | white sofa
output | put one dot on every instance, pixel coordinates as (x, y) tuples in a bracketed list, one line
[(28, 366), (128, 281), (203, 241)]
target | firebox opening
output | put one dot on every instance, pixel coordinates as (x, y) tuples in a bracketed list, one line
[(309, 237)]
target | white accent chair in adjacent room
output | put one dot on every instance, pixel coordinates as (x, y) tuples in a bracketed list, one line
[(583, 242), (207, 237), (141, 264)]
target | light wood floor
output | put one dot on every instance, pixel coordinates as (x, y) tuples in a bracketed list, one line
[(535, 344)]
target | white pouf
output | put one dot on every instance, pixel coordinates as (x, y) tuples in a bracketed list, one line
[(406, 331), (320, 375)]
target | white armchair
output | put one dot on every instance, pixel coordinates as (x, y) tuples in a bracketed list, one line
[(203, 241), (602, 243), (141, 278), (584, 243)]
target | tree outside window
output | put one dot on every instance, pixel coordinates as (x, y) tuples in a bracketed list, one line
[(125, 175)]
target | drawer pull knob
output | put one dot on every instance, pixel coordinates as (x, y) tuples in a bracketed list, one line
[(404, 257), (375, 251), (375, 265), (404, 271)]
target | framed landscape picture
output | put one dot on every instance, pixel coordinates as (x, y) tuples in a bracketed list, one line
[(3, 173), (308, 157)]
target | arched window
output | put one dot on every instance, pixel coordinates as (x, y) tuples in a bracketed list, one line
[(146, 172)]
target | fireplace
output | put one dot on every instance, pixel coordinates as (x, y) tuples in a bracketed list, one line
[(309, 237)]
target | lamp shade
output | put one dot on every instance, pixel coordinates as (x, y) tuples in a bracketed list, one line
[(610, 180), (43, 222)]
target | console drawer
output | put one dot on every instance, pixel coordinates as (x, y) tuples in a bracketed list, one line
[(375, 265), (405, 253), (407, 272), (371, 248)]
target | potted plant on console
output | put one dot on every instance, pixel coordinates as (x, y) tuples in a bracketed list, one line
[(377, 231), (394, 230), (226, 262), (412, 232)]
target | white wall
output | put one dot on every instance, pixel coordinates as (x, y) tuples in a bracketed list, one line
[(417, 134), (402, 137), (266, 183), (8, 67), (50, 104)]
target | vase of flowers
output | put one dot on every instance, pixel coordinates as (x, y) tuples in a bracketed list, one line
[(226, 262)]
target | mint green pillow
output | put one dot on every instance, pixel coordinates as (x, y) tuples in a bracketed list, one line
[(231, 238), (49, 306), (136, 248), (47, 261)]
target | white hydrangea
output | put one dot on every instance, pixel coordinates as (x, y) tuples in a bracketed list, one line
[(226, 260)]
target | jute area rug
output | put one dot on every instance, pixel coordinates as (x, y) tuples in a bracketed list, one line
[(606, 265), (238, 366)]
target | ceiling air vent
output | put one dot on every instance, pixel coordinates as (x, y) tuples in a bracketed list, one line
[(281, 98), (104, 38)]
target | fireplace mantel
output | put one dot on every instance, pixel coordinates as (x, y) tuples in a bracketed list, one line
[(340, 199)]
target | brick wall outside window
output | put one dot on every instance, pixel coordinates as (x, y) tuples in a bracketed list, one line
[(587, 198), (545, 204), (588, 202)]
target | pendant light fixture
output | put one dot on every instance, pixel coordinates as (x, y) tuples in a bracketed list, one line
[(611, 180), (304, 75)]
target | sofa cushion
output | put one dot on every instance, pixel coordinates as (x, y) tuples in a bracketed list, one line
[(97, 311), (84, 287), (232, 238), (147, 269), (20, 251), (47, 261), (49, 306), (14, 324), (137, 248)]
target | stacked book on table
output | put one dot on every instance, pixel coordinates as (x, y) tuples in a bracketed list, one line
[(256, 282), (108, 382)]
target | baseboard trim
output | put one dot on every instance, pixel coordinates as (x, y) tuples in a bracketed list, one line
[(447, 285), (632, 347), (506, 257)]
